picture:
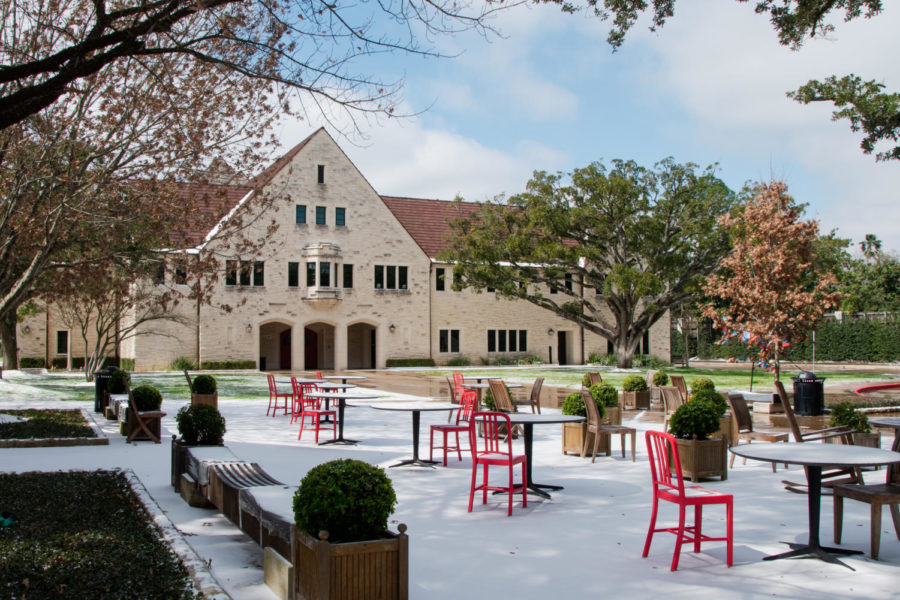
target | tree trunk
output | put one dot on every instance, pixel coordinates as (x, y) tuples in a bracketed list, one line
[(624, 356), (8, 340)]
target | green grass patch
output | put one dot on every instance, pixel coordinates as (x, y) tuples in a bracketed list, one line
[(46, 424), (83, 535)]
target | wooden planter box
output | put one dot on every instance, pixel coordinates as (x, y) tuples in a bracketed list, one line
[(636, 400), (371, 570), (701, 459), (727, 430), (573, 435), (871, 439), (211, 399)]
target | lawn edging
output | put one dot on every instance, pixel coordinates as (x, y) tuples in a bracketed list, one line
[(100, 438)]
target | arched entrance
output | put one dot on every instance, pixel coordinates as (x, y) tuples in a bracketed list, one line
[(275, 347), (361, 346), (318, 346)]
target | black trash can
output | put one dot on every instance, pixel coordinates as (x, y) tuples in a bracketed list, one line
[(809, 394), (100, 380)]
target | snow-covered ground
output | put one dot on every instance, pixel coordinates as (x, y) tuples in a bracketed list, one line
[(585, 542)]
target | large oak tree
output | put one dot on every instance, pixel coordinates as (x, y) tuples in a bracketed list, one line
[(619, 246)]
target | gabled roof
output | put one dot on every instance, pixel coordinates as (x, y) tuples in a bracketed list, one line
[(266, 176), (428, 221), (210, 205)]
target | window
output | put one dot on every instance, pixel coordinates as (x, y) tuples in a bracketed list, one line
[(401, 272), (245, 273), (348, 276), (181, 271), (231, 267), (160, 276), (340, 216), (379, 277), (449, 340), (439, 280), (320, 215), (503, 340), (259, 272), (491, 290), (310, 274), (321, 175), (293, 274), (568, 281), (324, 274), (62, 342), (391, 277), (301, 213)]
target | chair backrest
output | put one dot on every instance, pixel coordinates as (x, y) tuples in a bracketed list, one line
[(190, 383), (502, 401), (458, 388), (665, 464), (494, 426), (789, 412), (271, 379), (319, 375), (671, 398), (299, 389), (740, 411), (535, 397), (595, 377), (590, 407), (452, 390), (464, 412), (678, 382), (893, 471)]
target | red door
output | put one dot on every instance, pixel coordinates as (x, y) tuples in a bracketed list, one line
[(310, 349), (285, 358)]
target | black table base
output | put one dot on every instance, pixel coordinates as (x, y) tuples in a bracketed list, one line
[(340, 439), (415, 461), (534, 488)]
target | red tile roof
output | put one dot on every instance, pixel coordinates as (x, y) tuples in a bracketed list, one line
[(210, 205), (428, 221)]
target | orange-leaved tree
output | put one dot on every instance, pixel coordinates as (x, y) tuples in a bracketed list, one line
[(772, 291)]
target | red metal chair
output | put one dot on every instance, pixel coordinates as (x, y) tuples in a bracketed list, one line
[(274, 395), (463, 415), (319, 375), (669, 486), (296, 405), (494, 452), (310, 409), (458, 389)]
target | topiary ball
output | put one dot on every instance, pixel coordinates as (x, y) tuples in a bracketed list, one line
[(204, 384), (694, 420), (713, 397), (702, 383), (660, 378), (349, 499), (574, 405), (117, 382), (605, 394), (586, 380), (200, 425), (146, 398), (634, 383)]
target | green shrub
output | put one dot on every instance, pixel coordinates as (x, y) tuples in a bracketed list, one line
[(222, 365), (574, 405), (844, 414), (146, 397), (605, 394), (349, 499), (645, 361), (504, 361), (712, 397), (460, 361), (607, 360), (204, 384), (117, 382), (59, 362), (126, 364), (634, 383), (529, 359), (200, 425), (694, 420), (31, 362), (702, 383), (660, 378), (184, 364), (586, 380), (409, 362)]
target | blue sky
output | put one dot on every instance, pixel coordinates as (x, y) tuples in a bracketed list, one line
[(709, 87)]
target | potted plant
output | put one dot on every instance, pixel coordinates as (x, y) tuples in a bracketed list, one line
[(692, 424), (146, 398), (726, 421), (657, 379), (204, 391), (573, 434), (635, 392), (117, 383), (198, 425), (702, 383), (845, 414), (660, 378), (607, 395), (340, 535)]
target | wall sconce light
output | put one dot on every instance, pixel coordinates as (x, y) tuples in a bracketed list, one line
[(392, 328), (249, 328), (26, 329), (550, 331)]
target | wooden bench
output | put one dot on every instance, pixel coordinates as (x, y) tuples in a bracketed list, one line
[(267, 515), (227, 479)]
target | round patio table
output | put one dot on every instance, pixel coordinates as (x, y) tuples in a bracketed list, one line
[(341, 397), (887, 423), (416, 408), (344, 378), (814, 457)]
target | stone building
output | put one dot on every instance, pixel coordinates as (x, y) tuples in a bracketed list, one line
[(347, 280)]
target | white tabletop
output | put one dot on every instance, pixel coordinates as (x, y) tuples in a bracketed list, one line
[(482, 386), (414, 405), (818, 454), (343, 377), (327, 385), (480, 379), (524, 418), (346, 395)]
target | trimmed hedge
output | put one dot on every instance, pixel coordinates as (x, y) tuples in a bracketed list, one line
[(223, 365), (31, 362), (46, 424), (409, 362)]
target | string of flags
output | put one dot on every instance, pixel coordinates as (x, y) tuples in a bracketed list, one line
[(766, 346)]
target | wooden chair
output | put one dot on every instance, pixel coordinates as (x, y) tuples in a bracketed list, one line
[(678, 382), (463, 415), (876, 496), (672, 399), (668, 485), (503, 403), (493, 452), (149, 421), (275, 395), (593, 425), (838, 475), (741, 415), (534, 398), (594, 377)]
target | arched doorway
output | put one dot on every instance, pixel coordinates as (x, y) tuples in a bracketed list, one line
[(275, 351), (361, 346), (318, 346)]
